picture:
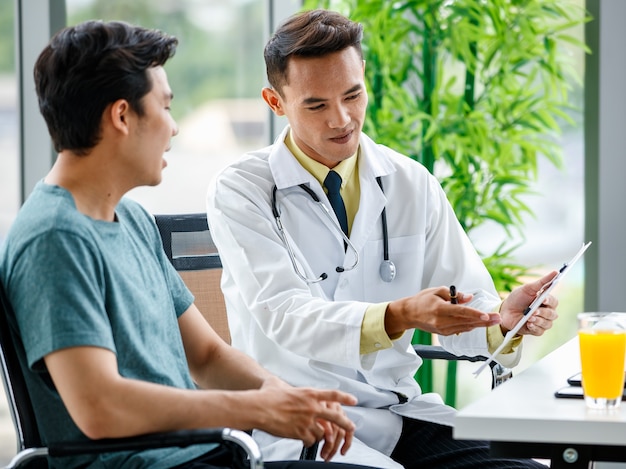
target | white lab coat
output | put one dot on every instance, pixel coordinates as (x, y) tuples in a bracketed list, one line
[(309, 334)]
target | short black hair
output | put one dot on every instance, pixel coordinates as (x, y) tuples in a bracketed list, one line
[(86, 67), (313, 33)]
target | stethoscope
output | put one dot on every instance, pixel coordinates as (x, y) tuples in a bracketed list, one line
[(387, 268)]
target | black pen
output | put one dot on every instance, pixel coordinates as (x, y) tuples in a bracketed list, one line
[(453, 299)]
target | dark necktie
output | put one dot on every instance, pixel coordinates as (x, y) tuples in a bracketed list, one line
[(333, 184)]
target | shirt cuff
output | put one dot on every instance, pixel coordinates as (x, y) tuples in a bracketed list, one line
[(495, 338), (373, 334)]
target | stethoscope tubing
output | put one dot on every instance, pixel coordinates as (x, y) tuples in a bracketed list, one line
[(387, 269)]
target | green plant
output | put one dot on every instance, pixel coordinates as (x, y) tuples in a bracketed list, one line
[(477, 91)]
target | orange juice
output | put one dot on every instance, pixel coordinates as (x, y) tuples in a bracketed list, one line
[(602, 359)]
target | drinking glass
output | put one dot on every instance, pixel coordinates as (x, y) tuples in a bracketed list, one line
[(602, 349)]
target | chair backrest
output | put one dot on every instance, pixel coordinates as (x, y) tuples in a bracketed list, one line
[(190, 248), (20, 405)]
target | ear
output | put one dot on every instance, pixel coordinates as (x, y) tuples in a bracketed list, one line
[(272, 98), (119, 114)]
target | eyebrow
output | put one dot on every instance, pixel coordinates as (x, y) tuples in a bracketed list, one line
[(314, 100)]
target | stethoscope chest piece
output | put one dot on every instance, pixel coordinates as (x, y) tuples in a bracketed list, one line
[(387, 271)]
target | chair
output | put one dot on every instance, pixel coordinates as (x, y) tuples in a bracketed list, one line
[(31, 453), (189, 246)]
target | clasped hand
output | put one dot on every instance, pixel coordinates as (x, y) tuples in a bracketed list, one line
[(310, 415)]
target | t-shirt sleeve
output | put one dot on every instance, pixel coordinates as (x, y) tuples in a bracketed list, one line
[(145, 226), (182, 297), (58, 296)]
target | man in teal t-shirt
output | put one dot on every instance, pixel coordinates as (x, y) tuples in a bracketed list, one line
[(127, 300), (113, 345)]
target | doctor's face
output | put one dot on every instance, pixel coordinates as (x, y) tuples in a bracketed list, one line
[(324, 101)]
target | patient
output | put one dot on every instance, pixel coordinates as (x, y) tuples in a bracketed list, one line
[(113, 345)]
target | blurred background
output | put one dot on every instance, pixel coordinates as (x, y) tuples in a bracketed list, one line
[(217, 76)]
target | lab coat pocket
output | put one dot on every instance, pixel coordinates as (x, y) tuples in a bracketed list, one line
[(407, 254)]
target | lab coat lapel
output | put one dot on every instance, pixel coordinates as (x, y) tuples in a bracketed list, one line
[(372, 163), (286, 170)]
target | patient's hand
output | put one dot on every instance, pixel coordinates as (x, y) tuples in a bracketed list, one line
[(308, 414)]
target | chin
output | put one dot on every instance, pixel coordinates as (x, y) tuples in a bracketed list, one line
[(347, 155), (155, 181)]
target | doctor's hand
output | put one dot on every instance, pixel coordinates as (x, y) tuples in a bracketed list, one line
[(430, 310), (308, 414), (520, 298)]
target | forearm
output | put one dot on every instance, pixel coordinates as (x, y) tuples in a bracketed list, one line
[(395, 322), (133, 407), (104, 404), (230, 368), (213, 363)]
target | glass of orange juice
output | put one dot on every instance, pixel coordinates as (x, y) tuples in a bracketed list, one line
[(602, 350)]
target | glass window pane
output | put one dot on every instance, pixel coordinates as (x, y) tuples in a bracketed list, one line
[(9, 167), (216, 76)]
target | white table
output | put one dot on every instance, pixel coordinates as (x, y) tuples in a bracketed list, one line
[(522, 418)]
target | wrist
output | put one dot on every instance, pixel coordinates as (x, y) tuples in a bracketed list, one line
[(394, 318)]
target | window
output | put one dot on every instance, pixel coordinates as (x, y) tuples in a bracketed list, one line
[(216, 76), (9, 174), (9, 161)]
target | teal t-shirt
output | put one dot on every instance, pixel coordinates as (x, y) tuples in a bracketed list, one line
[(75, 281)]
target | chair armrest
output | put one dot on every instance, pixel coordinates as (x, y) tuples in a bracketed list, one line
[(499, 373), (182, 438), (436, 352), (26, 456)]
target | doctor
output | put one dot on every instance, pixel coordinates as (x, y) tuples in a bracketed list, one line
[(323, 300)]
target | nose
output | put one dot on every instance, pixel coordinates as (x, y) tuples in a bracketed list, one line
[(339, 118), (175, 129)]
